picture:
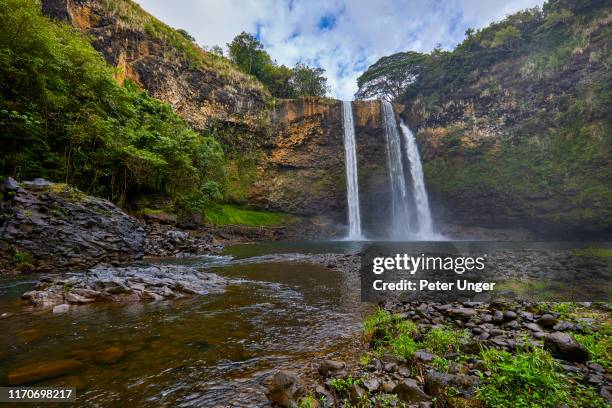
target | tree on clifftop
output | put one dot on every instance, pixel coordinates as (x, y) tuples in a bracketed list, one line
[(308, 80), (248, 53), (390, 76)]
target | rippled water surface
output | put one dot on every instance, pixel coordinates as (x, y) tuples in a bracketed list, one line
[(279, 311)]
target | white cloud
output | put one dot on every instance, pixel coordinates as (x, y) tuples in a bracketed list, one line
[(363, 30)]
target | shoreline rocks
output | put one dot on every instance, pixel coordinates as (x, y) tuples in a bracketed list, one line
[(123, 285)]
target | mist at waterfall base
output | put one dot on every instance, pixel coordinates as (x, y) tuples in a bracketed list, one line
[(410, 218)]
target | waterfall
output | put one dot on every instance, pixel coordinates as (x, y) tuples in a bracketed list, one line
[(352, 186), (418, 185), (400, 220)]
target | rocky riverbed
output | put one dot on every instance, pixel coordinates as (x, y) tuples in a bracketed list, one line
[(443, 363)]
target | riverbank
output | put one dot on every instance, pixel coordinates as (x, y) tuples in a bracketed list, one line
[(278, 310), (505, 353)]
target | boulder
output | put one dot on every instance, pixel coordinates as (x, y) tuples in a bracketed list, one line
[(409, 390), (331, 368), (564, 346), (285, 389), (63, 308), (56, 227), (161, 217), (130, 283), (462, 313), (547, 321)]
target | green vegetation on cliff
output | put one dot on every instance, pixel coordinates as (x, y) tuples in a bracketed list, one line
[(516, 120), (175, 43), (248, 53), (64, 117)]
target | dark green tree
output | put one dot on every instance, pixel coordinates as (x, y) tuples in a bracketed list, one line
[(308, 81), (64, 117), (389, 76), (248, 53)]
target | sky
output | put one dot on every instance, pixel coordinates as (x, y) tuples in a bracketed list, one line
[(342, 36)]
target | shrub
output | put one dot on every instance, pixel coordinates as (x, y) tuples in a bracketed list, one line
[(530, 378), (445, 340), (403, 346)]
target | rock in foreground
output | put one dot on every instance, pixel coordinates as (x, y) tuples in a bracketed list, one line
[(50, 227), (124, 284)]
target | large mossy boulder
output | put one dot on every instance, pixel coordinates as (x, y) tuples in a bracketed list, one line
[(50, 227)]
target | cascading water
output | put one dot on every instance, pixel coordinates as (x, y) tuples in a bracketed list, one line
[(400, 221), (418, 184), (352, 186)]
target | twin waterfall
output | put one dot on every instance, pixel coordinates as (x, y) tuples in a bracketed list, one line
[(418, 185), (352, 187), (400, 226)]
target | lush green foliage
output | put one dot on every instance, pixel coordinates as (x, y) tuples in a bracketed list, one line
[(343, 385), (226, 214), (248, 53), (175, 44), (599, 345), (444, 340), (534, 31), (389, 76), (529, 378), (65, 118)]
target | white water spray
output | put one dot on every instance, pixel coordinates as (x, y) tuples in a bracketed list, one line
[(352, 186), (424, 220), (400, 220)]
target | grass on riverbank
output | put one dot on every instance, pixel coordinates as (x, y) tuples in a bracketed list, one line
[(526, 377), (226, 214)]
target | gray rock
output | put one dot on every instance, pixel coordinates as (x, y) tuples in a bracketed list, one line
[(63, 308), (510, 315), (371, 384), (11, 184), (596, 367), (513, 325), (462, 313), (285, 389), (436, 383), (331, 368), (63, 229), (564, 326), (606, 393), (564, 346), (547, 321), (533, 327), (409, 390), (424, 356), (115, 284), (498, 317)]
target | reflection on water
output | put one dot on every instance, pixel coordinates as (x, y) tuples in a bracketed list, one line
[(202, 351), (279, 312)]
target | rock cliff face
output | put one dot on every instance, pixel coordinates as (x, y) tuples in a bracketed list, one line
[(525, 141), (295, 146), (52, 227), (203, 88), (302, 170)]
